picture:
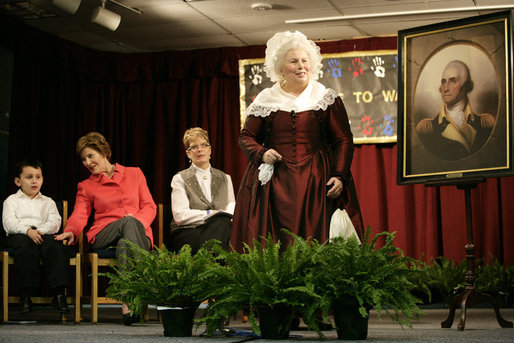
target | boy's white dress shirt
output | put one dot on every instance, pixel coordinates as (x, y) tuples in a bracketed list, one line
[(20, 213)]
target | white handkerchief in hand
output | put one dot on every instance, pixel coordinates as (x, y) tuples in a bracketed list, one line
[(266, 170)]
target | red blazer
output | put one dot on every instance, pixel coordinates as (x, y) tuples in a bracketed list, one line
[(112, 198)]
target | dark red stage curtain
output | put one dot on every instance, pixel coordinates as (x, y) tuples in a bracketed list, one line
[(431, 221), (143, 103)]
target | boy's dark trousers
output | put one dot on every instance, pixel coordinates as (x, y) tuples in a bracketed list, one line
[(26, 253)]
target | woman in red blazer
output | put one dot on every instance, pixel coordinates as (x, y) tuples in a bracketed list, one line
[(123, 205)]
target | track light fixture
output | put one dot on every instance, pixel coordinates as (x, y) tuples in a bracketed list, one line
[(105, 18), (70, 6), (100, 15)]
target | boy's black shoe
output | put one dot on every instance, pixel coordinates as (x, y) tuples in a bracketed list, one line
[(323, 326), (59, 303), (295, 324), (26, 305), (129, 319)]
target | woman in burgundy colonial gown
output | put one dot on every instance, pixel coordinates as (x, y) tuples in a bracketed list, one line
[(298, 141)]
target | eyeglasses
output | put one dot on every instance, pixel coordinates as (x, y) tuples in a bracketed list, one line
[(194, 148)]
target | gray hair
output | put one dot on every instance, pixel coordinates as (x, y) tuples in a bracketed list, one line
[(468, 85)]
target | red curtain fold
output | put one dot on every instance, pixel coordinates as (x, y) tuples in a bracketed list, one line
[(411, 210), (431, 221), (143, 103)]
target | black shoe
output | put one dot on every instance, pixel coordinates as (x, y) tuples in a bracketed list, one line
[(295, 324), (323, 326), (129, 319), (26, 305), (59, 303)]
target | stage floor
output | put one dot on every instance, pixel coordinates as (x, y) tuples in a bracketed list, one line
[(43, 325)]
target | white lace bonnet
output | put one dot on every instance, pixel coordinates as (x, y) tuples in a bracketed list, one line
[(281, 42)]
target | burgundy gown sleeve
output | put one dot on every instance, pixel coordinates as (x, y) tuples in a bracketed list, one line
[(251, 138), (251, 141), (340, 138)]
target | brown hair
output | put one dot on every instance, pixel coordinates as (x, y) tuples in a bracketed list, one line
[(27, 163), (95, 141), (193, 133)]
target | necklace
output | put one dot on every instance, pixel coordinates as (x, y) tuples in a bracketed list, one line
[(111, 172)]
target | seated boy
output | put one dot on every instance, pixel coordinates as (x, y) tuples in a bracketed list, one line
[(30, 220)]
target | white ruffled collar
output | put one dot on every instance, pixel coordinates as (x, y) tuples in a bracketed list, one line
[(456, 112), (315, 96)]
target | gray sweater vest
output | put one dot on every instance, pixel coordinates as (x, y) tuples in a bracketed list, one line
[(197, 199)]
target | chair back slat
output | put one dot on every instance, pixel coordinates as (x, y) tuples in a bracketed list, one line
[(165, 218)]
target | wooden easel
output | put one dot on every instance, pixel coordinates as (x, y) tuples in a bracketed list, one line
[(470, 296)]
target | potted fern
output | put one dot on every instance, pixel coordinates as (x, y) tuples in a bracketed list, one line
[(351, 278), (497, 280), (269, 280), (443, 278), (173, 281)]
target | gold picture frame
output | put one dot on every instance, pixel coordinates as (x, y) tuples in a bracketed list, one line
[(455, 100)]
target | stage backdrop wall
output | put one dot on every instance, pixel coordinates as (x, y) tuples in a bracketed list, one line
[(143, 103)]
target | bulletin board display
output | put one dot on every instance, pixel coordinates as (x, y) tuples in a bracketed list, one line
[(366, 81)]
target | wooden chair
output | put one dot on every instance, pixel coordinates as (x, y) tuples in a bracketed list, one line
[(6, 259), (164, 216), (94, 260)]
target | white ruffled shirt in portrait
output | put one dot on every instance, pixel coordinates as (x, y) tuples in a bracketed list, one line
[(459, 129), (456, 112), (314, 97)]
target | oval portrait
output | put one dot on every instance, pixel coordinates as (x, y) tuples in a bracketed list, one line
[(456, 101)]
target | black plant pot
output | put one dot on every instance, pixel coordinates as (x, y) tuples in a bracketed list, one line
[(350, 323), (178, 322), (275, 321)]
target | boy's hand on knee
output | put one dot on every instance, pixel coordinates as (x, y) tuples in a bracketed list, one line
[(35, 235)]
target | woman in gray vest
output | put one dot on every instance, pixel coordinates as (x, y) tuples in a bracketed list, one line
[(202, 197)]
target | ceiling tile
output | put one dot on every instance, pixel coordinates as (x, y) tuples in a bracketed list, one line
[(179, 25)]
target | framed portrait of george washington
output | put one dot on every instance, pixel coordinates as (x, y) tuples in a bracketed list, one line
[(455, 100)]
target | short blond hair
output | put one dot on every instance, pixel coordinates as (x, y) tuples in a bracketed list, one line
[(95, 141), (194, 133)]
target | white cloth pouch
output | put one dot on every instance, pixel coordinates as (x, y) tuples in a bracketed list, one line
[(341, 225)]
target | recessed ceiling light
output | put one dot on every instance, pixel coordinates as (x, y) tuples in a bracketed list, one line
[(261, 6)]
